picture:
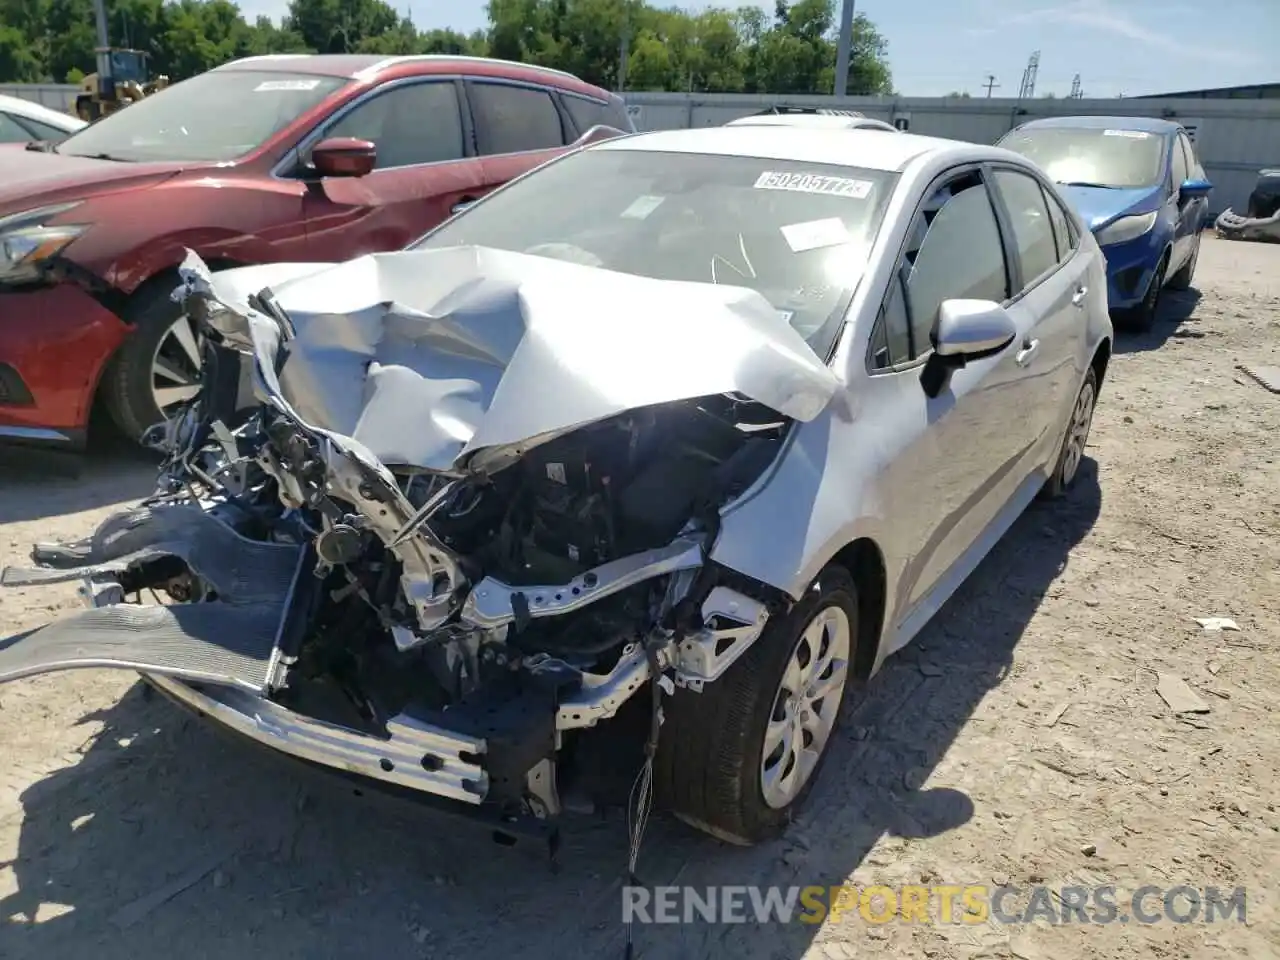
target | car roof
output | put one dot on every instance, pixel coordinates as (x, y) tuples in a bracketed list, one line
[(869, 149), (1136, 124), (39, 112), (818, 121), (367, 67)]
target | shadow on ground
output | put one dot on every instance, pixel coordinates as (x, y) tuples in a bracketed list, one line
[(38, 483), (1177, 308), (166, 840)]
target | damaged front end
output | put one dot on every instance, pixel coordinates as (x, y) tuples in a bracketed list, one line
[(463, 526)]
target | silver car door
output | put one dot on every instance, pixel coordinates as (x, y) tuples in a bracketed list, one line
[(948, 474), (1048, 307)]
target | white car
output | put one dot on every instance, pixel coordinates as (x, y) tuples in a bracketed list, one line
[(849, 120), (22, 121), (704, 423)]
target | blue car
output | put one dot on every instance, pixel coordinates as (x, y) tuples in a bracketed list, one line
[(1137, 184)]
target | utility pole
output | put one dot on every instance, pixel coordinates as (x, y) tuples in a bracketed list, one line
[(990, 84), (103, 54), (1076, 92), (623, 54), (843, 48)]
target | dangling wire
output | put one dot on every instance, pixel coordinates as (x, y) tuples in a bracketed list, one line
[(640, 802)]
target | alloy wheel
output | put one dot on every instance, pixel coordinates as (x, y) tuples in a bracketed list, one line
[(176, 366), (1078, 433), (805, 706)]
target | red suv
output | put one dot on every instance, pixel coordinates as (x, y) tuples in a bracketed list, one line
[(299, 158)]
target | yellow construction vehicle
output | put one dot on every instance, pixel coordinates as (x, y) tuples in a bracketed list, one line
[(122, 79)]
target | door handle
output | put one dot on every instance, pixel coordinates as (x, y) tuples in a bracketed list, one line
[(462, 205), (1077, 298), (1029, 348)]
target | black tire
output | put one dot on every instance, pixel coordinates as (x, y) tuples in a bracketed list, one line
[(1183, 278), (126, 382), (708, 768), (1142, 318), (1067, 468)]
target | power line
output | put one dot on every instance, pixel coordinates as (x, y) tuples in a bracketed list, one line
[(990, 84)]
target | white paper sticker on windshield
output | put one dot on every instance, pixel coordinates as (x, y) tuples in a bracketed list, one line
[(1131, 134), (271, 86), (815, 233), (814, 183), (641, 207)]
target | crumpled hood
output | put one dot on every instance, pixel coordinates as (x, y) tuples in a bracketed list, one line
[(30, 178), (1099, 206), (425, 358)]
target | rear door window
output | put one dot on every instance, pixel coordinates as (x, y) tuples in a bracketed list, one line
[(1064, 236), (588, 113), (1029, 216), (513, 119)]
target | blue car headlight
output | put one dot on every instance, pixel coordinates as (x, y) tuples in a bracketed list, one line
[(1125, 229)]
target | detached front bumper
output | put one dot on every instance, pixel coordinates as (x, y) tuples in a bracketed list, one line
[(415, 755), (54, 343)]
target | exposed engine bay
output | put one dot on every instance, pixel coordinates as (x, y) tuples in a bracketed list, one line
[(448, 626)]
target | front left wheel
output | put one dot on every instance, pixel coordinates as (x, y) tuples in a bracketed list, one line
[(157, 368), (738, 759)]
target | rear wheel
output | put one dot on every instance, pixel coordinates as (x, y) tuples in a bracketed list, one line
[(1071, 454), (738, 759), (158, 366)]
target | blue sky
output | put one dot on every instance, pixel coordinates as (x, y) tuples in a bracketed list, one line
[(935, 46)]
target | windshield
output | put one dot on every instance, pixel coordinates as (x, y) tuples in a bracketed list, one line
[(798, 233), (220, 115), (1094, 158)]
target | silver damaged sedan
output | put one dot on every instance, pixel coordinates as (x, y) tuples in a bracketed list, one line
[(693, 427)]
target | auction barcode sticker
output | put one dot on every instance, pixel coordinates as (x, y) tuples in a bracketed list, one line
[(814, 183), (1131, 134), (271, 86)]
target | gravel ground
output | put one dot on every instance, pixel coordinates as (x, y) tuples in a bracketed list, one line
[(1019, 741)]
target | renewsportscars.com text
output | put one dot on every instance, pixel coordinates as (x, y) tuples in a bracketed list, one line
[(942, 903)]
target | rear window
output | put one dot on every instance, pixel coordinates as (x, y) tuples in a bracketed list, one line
[(588, 113)]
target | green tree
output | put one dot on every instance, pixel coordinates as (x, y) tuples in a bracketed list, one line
[(790, 49)]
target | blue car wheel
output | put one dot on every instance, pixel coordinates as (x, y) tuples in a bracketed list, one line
[(1143, 317)]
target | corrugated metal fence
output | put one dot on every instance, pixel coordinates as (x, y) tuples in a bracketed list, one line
[(1234, 138), (55, 96)]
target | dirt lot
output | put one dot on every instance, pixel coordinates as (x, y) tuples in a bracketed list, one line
[(1020, 740)]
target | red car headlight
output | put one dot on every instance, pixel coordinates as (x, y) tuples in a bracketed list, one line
[(27, 242)]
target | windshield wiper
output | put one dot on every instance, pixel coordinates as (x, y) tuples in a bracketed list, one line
[(1086, 183), (100, 156), (41, 146)]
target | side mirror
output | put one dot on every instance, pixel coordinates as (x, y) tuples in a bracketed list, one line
[(966, 330), (343, 157), (1194, 189)]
